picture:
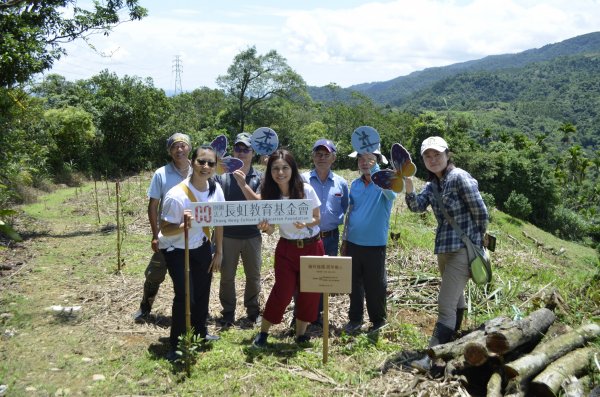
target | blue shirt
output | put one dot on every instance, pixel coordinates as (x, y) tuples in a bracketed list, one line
[(163, 180), (369, 216), (461, 197), (333, 194)]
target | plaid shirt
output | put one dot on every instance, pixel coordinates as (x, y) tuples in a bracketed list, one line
[(463, 202)]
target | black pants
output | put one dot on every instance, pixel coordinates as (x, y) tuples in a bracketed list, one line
[(369, 280), (200, 280)]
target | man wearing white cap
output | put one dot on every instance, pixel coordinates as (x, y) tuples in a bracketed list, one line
[(179, 147), (365, 236), (463, 203)]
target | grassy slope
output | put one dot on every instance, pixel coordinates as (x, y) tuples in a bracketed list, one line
[(69, 259)]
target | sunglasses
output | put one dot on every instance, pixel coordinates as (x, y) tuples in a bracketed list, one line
[(239, 149), (211, 164)]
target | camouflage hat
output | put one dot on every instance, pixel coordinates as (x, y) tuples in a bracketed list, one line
[(178, 137)]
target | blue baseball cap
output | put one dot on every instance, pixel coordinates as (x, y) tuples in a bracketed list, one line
[(326, 143)]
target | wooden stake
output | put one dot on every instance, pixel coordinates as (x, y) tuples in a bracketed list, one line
[(325, 327), (97, 205), (188, 316), (118, 226)]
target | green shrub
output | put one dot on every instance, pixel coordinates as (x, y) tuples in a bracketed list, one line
[(569, 225), (518, 205)]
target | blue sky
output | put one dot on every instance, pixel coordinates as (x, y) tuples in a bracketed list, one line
[(329, 41)]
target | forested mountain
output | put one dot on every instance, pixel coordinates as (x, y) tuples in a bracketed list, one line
[(397, 91), (534, 99)]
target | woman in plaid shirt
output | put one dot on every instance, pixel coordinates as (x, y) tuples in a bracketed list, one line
[(461, 197)]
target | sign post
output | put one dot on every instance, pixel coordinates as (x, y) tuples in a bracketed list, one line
[(326, 274)]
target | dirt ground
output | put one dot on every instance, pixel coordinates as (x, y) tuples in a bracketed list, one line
[(114, 302)]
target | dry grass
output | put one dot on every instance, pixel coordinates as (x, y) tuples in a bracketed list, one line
[(87, 278)]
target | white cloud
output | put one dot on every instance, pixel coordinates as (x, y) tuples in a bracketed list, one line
[(373, 41)]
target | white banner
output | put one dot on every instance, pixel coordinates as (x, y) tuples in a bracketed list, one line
[(251, 212)]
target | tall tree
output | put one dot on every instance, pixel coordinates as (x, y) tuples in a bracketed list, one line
[(129, 116), (34, 30), (253, 79)]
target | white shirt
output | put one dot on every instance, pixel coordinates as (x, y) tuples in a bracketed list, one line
[(176, 201), (290, 231)]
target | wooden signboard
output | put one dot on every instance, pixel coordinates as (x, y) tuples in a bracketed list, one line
[(331, 274), (326, 274)]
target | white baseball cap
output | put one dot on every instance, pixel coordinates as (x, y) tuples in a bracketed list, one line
[(377, 153), (434, 142)]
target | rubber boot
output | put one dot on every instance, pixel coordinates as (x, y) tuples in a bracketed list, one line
[(441, 334), (146, 304)]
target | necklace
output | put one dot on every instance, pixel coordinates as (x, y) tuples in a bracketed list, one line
[(182, 171)]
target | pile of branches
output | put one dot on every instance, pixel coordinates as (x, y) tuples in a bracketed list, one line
[(530, 356)]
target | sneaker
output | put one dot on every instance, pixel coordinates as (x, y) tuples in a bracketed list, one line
[(172, 356), (141, 316), (376, 327), (302, 339), (422, 365), (352, 327), (255, 319), (226, 321), (211, 338), (260, 340)]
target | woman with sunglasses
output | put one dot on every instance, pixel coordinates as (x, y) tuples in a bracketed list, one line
[(283, 181), (199, 187)]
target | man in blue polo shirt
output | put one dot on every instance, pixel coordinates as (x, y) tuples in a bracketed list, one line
[(332, 190), (365, 238)]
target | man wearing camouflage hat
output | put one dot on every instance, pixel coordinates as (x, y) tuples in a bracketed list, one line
[(179, 147)]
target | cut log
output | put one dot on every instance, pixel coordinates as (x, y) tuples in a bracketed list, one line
[(573, 387), (515, 387), (530, 365), (455, 367), (574, 363), (448, 351), (531, 328), (494, 386), (476, 353)]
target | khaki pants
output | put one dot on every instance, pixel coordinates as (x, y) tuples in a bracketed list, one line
[(454, 268), (250, 252), (155, 274)]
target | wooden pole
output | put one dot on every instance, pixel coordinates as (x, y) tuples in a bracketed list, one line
[(325, 327), (118, 193), (97, 205), (188, 316)]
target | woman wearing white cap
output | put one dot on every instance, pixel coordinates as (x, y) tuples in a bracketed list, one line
[(462, 200)]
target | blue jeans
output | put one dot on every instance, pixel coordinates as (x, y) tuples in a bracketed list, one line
[(331, 243), (200, 280)]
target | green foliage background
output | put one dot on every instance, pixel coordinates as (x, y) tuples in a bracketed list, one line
[(528, 131)]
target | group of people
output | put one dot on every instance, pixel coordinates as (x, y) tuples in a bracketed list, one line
[(364, 209)]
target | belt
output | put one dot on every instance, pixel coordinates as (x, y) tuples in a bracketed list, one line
[(300, 243), (328, 233)]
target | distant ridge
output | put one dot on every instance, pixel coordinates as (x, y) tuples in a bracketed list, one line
[(396, 91)]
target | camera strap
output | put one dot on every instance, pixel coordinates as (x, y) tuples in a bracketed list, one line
[(463, 236)]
